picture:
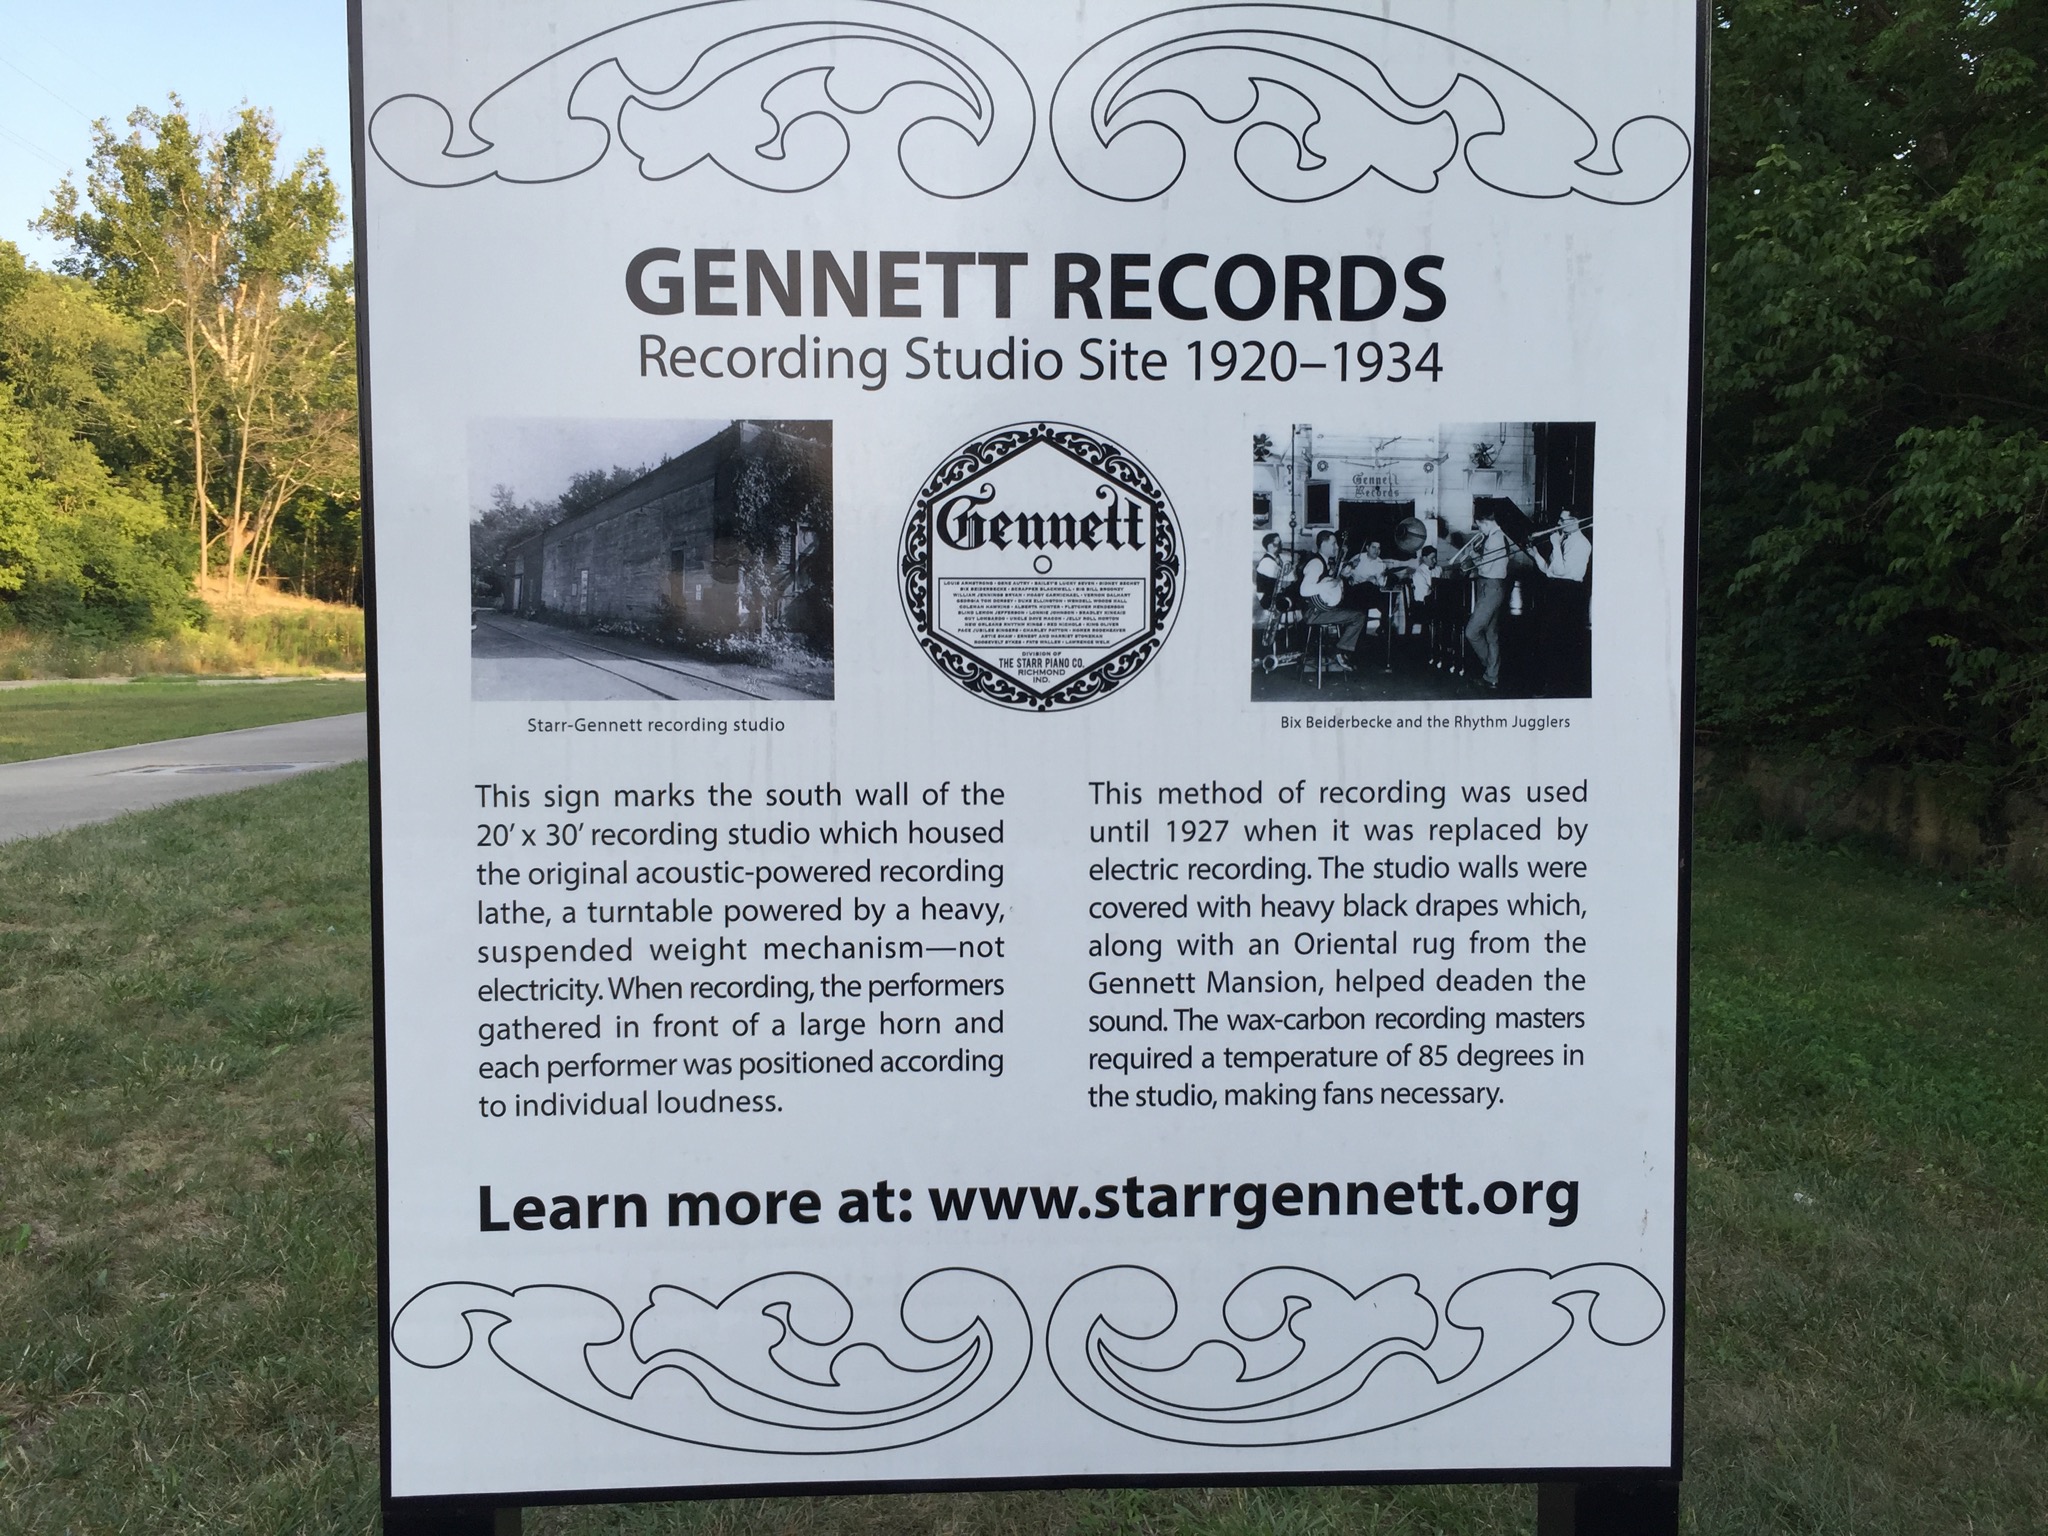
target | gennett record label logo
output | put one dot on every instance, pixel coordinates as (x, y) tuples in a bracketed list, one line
[(1041, 566)]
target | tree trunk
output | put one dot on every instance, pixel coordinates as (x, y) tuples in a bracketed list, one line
[(198, 436), (238, 524), (267, 514)]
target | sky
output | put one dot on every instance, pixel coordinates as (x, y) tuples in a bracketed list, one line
[(536, 459), (64, 64)]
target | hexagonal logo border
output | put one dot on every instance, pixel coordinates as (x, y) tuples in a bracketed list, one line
[(1094, 451)]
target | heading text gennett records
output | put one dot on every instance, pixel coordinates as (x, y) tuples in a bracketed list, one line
[(719, 283)]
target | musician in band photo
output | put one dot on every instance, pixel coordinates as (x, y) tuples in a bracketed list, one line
[(1570, 552), (1365, 567), (1485, 557), (1423, 576), (1565, 554), (1322, 584), (1386, 585)]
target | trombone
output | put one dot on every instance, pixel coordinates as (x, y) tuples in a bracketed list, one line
[(1585, 526)]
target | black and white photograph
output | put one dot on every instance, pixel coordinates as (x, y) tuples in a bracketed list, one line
[(643, 560), (1457, 565)]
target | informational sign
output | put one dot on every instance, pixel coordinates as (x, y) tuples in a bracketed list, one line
[(1031, 708)]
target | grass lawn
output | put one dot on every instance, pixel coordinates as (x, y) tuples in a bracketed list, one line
[(186, 1274), (53, 719)]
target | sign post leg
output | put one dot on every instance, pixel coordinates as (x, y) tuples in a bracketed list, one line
[(452, 1520), (1607, 1509)]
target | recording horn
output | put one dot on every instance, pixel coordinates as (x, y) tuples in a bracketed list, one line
[(1512, 520), (1410, 535)]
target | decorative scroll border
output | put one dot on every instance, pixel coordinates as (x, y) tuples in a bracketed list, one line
[(1297, 1358), (1389, 98), (768, 90), (1313, 99), (772, 1368)]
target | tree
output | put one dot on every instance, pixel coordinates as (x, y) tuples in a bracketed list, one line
[(302, 429), (81, 368), (493, 530), (1875, 515), (781, 535), (588, 487), (496, 528), (24, 505), (80, 553), (202, 235), (87, 546)]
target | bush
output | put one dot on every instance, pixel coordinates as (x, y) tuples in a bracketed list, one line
[(81, 555), (1875, 505), (93, 580), (325, 639)]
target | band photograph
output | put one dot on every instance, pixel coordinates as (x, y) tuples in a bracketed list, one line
[(1454, 566), (646, 560)]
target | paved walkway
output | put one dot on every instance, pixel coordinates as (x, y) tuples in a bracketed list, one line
[(53, 793)]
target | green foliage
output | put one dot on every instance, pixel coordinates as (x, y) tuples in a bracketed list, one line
[(112, 573), (180, 394), (1877, 380), (330, 640), (82, 368), (79, 553), (318, 550), (24, 504), (194, 224), (200, 340)]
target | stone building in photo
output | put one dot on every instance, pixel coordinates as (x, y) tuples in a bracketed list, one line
[(730, 540)]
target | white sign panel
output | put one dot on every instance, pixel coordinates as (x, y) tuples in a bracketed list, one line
[(1031, 678)]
